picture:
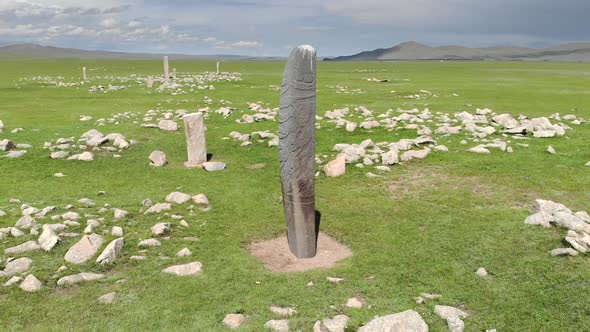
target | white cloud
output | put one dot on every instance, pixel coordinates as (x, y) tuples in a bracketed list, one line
[(236, 45), (135, 24), (108, 22)]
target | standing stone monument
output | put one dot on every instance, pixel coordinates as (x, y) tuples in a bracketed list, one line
[(217, 67), (174, 72), (297, 150), (84, 74), (166, 68), (194, 128)]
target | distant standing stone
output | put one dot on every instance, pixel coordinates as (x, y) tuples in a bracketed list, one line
[(194, 128), (158, 159), (212, 166), (166, 68), (30, 284), (190, 269), (234, 321), (84, 249), (84, 74)]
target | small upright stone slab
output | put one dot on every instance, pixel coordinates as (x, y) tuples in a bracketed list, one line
[(84, 74), (194, 128)]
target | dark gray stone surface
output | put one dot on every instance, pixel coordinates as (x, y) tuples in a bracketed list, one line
[(297, 150)]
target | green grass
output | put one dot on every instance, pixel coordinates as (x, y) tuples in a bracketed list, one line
[(425, 227)]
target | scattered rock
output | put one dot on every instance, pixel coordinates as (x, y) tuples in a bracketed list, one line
[(446, 312), (276, 325), (158, 159), (190, 269), (86, 156), (161, 228), (563, 252), (551, 150), (168, 125), (149, 243), (283, 311), (26, 222), (178, 197), (16, 266), (482, 272), (12, 281), (334, 280), (48, 238), (80, 277), (159, 207), (184, 252), (336, 324), (117, 231), (119, 214), (21, 248), (6, 145), (354, 302), (107, 298), (404, 321), (110, 253), (84, 249), (30, 284), (234, 321), (336, 167), (212, 166)]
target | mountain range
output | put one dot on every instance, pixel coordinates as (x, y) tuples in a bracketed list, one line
[(410, 51), (34, 51)]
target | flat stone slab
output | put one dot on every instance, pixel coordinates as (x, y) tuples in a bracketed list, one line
[(190, 269), (276, 256), (80, 277)]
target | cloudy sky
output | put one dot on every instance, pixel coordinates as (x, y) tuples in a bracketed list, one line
[(272, 27)]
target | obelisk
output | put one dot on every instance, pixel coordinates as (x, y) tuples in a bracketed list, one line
[(297, 150), (217, 67), (84, 74)]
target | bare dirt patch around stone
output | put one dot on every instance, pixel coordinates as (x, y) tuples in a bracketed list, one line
[(276, 257)]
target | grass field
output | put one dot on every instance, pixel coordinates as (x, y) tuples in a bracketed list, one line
[(426, 226)]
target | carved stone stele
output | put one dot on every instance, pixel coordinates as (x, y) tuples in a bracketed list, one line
[(297, 150), (196, 147)]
